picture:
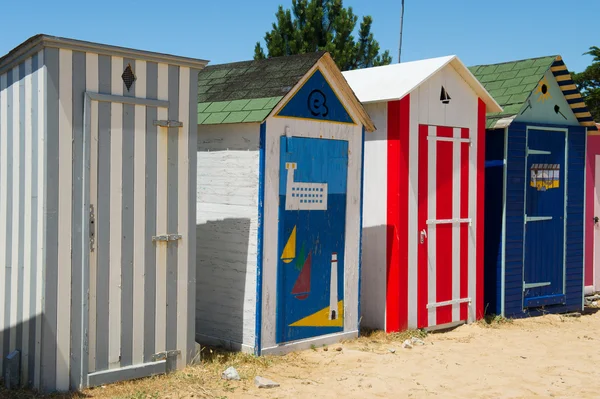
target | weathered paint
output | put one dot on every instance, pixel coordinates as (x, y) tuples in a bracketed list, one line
[(311, 243), (238, 185), (401, 162), (43, 306), (227, 228), (275, 128)]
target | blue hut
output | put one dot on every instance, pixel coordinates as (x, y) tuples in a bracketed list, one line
[(534, 188)]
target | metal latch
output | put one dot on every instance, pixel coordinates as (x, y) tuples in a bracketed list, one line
[(167, 123), (92, 228), (167, 237), (164, 355), (423, 236)]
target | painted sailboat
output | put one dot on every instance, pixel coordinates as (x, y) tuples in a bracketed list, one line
[(289, 251), (301, 288)]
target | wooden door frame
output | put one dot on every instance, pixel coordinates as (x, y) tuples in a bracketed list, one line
[(525, 186), (81, 352)]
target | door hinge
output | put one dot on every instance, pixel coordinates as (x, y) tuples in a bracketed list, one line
[(168, 123), (167, 237), (92, 228), (170, 357)]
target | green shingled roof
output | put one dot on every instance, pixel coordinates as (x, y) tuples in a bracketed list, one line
[(248, 91), (511, 83)]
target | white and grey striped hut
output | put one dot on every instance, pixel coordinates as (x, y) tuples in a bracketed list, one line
[(97, 212)]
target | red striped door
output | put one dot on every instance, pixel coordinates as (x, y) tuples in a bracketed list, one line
[(443, 222)]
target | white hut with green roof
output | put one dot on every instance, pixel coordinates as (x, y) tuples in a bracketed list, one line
[(280, 145)]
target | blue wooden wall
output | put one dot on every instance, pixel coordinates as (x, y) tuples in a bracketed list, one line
[(494, 180), (513, 256)]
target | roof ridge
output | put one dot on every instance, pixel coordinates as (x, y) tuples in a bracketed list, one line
[(269, 59), (513, 61)]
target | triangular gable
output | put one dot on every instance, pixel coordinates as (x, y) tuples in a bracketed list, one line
[(393, 82), (514, 83), (572, 94), (316, 99), (547, 104)]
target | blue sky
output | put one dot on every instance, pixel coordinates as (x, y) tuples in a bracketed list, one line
[(478, 31)]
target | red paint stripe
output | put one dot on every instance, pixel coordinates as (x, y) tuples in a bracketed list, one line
[(422, 275), (443, 259), (403, 206), (397, 215), (464, 228), (480, 201)]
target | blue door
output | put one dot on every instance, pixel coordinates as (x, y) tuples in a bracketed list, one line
[(312, 224), (544, 218)]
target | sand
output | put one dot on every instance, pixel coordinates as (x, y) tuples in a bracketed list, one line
[(549, 356)]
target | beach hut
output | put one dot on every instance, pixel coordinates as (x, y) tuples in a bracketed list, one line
[(423, 194), (535, 173), (592, 211), (97, 213), (279, 204)]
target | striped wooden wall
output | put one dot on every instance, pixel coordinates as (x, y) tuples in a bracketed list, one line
[(22, 198), (141, 295)]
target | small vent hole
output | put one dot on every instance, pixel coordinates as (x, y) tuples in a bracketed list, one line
[(128, 77)]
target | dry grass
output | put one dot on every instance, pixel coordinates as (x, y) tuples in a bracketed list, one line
[(493, 321), (381, 337), (202, 380)]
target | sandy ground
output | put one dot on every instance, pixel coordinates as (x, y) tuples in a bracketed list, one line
[(550, 356)]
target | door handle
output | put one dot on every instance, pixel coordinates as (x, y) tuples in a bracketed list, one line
[(596, 219), (423, 236)]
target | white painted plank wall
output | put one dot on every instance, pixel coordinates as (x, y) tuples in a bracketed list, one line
[(374, 240), (227, 226)]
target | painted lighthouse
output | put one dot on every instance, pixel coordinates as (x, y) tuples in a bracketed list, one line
[(333, 295), (312, 238)]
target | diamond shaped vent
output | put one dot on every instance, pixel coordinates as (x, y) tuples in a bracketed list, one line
[(128, 77)]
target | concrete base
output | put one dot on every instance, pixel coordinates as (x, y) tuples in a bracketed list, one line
[(223, 343), (308, 343)]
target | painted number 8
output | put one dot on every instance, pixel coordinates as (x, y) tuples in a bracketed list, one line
[(317, 103)]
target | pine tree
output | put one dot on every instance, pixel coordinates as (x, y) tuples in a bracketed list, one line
[(588, 83), (314, 25)]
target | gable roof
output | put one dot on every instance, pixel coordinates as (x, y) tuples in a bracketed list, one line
[(37, 42), (511, 84), (393, 82), (248, 91)]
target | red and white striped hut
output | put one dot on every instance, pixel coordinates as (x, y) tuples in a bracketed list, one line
[(422, 248)]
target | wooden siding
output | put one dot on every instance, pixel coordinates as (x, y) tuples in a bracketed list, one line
[(227, 228)]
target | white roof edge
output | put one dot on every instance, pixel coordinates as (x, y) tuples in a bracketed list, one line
[(490, 104), (450, 58), (372, 85), (369, 94)]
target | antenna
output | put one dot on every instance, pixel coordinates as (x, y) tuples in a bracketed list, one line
[(401, 26)]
